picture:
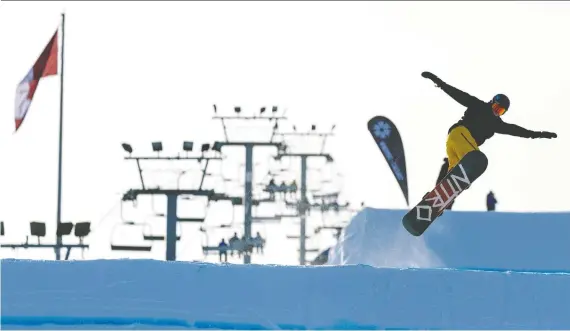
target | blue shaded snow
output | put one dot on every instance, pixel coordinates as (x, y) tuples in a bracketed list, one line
[(149, 294), (458, 239)]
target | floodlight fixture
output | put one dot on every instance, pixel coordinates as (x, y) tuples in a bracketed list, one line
[(217, 147), (237, 110), (64, 229), (157, 146), (187, 146), (128, 148), (262, 110), (38, 229), (82, 229), (274, 109), (205, 147)]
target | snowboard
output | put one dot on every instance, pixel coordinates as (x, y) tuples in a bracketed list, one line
[(432, 205)]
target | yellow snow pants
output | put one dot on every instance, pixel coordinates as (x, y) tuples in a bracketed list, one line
[(459, 143)]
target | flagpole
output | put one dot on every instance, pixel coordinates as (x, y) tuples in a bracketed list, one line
[(59, 170)]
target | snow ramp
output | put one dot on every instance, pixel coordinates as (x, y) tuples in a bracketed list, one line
[(458, 239)]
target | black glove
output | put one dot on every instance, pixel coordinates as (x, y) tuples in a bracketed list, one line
[(544, 134), (432, 77)]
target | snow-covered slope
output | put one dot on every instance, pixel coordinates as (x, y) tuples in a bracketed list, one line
[(161, 295)]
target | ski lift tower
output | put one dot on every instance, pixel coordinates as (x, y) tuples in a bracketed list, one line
[(171, 194), (249, 146), (303, 205)]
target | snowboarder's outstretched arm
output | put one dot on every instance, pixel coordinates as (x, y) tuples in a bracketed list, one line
[(461, 97), (517, 131)]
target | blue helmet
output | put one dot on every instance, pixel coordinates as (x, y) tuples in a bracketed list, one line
[(502, 100), (500, 104)]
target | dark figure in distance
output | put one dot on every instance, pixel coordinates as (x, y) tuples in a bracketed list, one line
[(491, 201), (223, 250)]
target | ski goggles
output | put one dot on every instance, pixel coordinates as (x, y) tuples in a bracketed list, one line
[(498, 109)]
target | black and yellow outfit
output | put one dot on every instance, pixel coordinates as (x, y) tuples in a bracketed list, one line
[(479, 123)]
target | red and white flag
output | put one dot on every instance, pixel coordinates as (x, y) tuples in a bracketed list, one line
[(46, 65)]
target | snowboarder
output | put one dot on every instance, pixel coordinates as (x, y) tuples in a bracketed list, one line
[(480, 122)]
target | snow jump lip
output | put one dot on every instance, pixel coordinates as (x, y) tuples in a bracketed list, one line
[(458, 239)]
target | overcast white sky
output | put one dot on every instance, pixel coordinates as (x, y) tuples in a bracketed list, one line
[(139, 72)]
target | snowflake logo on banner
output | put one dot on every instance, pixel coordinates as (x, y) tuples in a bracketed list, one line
[(382, 130)]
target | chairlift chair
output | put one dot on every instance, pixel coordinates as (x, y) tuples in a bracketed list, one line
[(154, 237), (206, 248), (130, 248)]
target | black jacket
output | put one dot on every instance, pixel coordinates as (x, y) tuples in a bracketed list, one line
[(479, 118)]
